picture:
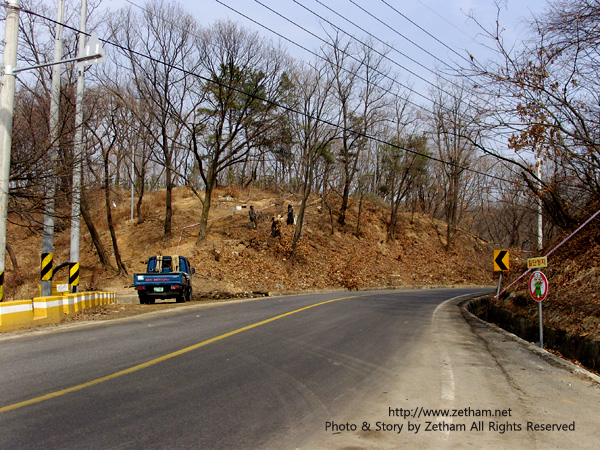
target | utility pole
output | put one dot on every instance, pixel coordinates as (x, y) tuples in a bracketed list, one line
[(540, 230), (7, 107), (93, 54), (48, 233), (540, 242), (78, 160), (132, 177)]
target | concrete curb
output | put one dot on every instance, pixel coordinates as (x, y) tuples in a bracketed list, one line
[(462, 304), (15, 315)]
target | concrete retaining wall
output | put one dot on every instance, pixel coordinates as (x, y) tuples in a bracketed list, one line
[(586, 351), (47, 310)]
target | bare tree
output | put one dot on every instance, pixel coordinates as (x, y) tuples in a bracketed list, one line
[(106, 135), (405, 160), (310, 113), (159, 48), (454, 131), (242, 74), (360, 81), (546, 93), (96, 241)]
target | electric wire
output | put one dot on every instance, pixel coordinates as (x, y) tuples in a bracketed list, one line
[(445, 20), (375, 50), (423, 30), (401, 35), (441, 89), (275, 104), (473, 59), (416, 105), (351, 56), (322, 57), (437, 74), (341, 50), (364, 135), (380, 41)]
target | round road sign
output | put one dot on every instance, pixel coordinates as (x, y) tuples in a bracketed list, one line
[(538, 286)]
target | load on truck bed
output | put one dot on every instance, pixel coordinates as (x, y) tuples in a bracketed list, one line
[(165, 277)]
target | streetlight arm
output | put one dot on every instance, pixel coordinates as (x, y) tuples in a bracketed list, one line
[(78, 59)]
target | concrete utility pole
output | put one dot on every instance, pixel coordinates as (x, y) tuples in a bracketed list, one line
[(48, 234), (93, 54), (7, 107), (78, 160)]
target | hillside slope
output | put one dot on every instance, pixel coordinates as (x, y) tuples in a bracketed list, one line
[(573, 272), (235, 258)]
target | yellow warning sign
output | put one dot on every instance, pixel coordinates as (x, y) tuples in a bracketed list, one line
[(46, 270), (74, 274), (501, 260)]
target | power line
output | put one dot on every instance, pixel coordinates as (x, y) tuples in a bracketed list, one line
[(274, 103), (385, 56), (371, 48), (445, 20), (321, 57), (423, 30), (393, 49), (341, 67), (351, 56), (347, 54), (380, 41), (417, 45), (400, 34)]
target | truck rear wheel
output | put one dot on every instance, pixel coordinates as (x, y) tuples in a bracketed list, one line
[(146, 299)]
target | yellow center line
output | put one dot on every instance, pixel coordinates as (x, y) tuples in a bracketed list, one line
[(163, 358)]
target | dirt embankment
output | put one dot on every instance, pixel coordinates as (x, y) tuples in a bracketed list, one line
[(573, 272), (236, 258)]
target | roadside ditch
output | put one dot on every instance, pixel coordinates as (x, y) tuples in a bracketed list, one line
[(585, 351)]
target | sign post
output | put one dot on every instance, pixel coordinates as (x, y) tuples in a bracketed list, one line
[(538, 288), (501, 264)]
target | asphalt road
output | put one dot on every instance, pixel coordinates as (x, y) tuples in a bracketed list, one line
[(314, 371)]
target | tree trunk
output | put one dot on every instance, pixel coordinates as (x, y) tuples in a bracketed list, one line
[(142, 180), (395, 200), (13, 257), (344, 207), (452, 209), (168, 201), (85, 213), (121, 269), (210, 181), (138, 205), (300, 221)]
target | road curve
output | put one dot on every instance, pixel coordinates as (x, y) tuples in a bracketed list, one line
[(336, 370)]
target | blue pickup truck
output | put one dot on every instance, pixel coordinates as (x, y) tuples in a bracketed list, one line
[(165, 277)]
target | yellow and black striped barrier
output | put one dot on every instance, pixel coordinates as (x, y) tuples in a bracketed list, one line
[(46, 270), (73, 275)]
